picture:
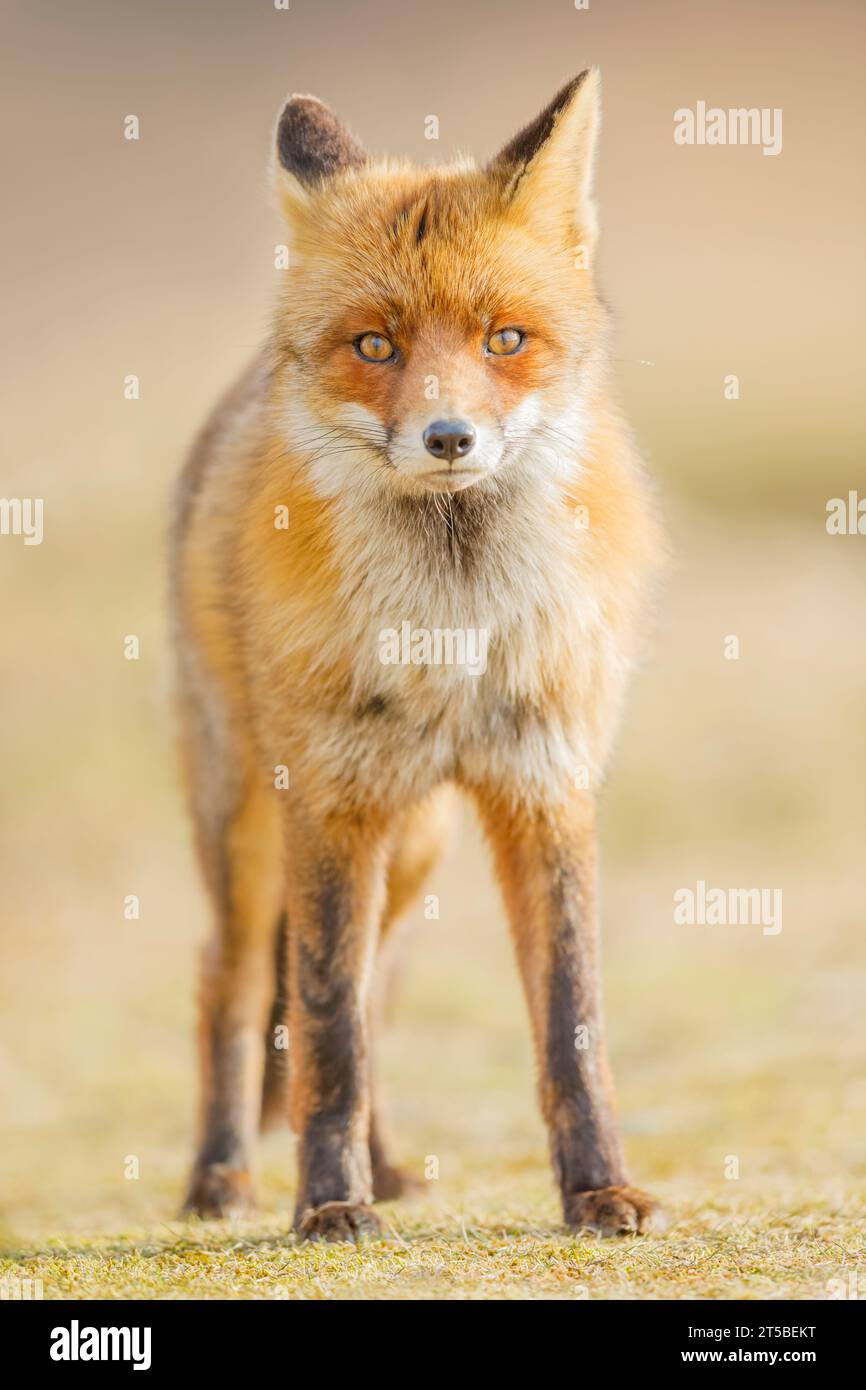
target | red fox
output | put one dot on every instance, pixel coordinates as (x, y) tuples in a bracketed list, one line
[(411, 556)]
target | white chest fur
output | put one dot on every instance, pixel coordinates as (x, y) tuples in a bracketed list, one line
[(473, 637)]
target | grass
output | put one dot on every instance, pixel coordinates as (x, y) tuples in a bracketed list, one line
[(715, 1250), (719, 1246)]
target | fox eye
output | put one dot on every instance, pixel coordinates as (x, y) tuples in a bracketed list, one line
[(505, 342), (373, 347)]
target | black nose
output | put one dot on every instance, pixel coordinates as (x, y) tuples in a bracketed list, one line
[(449, 439)]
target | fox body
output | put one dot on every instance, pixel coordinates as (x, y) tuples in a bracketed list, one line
[(425, 445)]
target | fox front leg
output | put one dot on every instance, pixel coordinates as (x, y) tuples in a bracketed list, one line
[(546, 862), (336, 893)]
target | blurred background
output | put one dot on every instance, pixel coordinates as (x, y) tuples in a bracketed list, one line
[(155, 258)]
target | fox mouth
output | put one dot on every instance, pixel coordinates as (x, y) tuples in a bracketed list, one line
[(451, 480)]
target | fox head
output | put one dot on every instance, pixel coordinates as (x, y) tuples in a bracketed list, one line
[(438, 329)]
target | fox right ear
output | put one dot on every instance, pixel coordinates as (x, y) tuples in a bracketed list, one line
[(312, 144), (547, 168)]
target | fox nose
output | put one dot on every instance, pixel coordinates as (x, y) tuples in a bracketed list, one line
[(449, 439)]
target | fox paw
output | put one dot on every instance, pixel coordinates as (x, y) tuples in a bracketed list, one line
[(218, 1191), (613, 1211), (335, 1221)]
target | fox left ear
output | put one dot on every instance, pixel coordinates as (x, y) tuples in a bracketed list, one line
[(312, 144), (547, 168)]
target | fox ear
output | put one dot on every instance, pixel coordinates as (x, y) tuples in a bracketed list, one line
[(547, 168), (311, 145)]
